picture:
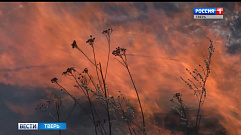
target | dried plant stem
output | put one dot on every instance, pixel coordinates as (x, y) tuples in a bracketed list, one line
[(91, 80), (201, 102), (120, 110), (139, 101), (126, 119), (76, 101), (105, 90), (86, 56), (203, 94), (89, 101), (181, 110), (92, 108), (107, 101), (107, 64), (58, 112), (185, 116), (197, 76), (96, 67), (107, 34)]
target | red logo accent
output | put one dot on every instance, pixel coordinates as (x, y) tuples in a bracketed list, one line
[(219, 11)]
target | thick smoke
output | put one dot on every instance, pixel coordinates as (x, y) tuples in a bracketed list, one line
[(162, 39)]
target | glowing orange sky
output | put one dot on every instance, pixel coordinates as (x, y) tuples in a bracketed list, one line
[(36, 46)]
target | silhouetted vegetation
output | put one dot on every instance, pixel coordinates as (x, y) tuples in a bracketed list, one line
[(198, 85), (96, 91)]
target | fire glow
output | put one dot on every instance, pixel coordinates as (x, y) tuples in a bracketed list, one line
[(35, 46)]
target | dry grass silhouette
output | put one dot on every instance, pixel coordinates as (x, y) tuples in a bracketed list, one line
[(96, 92)]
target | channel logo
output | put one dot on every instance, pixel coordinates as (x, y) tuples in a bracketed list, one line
[(27, 126), (208, 13), (41, 126)]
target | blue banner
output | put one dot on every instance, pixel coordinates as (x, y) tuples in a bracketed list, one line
[(204, 11), (51, 126)]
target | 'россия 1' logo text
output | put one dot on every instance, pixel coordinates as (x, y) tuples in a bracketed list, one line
[(208, 13)]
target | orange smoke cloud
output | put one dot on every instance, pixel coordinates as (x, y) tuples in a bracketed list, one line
[(36, 40)]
